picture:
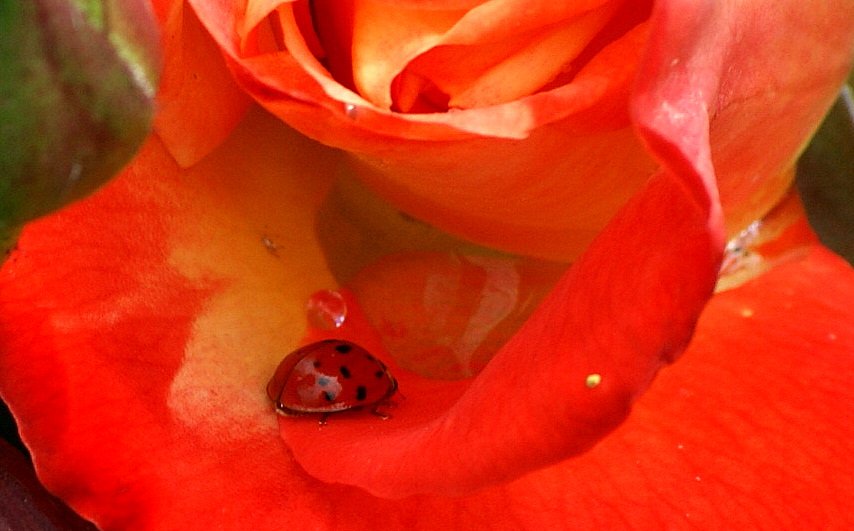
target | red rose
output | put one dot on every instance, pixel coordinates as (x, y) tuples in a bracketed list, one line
[(466, 171), (140, 359)]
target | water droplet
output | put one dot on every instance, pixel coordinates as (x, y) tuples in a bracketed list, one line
[(763, 244), (738, 254), (326, 309), (351, 110)]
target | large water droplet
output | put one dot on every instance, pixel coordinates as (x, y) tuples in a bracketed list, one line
[(326, 310)]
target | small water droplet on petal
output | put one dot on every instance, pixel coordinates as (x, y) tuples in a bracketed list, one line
[(351, 110), (326, 309)]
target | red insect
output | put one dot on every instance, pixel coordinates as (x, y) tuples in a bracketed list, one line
[(330, 376)]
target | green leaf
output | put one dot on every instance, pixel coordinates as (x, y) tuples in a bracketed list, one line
[(77, 84), (826, 177)]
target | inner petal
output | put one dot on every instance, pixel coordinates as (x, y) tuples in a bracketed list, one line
[(489, 73), (385, 39), (429, 60)]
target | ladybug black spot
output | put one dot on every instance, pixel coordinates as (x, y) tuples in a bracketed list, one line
[(316, 364), (371, 358), (379, 374), (345, 372), (329, 396), (343, 348), (361, 392)]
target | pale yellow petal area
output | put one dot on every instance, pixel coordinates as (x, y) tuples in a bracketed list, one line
[(248, 233)]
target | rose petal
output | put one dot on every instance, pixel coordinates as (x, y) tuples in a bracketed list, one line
[(477, 174), (127, 450), (745, 430), (491, 54), (746, 427), (477, 167), (295, 81), (625, 322), (209, 483), (93, 312), (386, 39), (143, 316), (763, 88), (602, 318), (198, 103)]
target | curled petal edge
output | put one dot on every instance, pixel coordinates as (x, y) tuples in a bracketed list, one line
[(625, 310)]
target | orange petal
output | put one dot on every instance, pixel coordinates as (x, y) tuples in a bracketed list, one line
[(744, 429), (199, 103)]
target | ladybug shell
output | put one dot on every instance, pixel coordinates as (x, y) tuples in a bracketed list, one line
[(329, 376)]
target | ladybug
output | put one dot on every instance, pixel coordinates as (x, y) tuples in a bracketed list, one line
[(330, 376)]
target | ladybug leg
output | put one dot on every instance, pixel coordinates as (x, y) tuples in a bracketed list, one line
[(385, 403), (381, 414)]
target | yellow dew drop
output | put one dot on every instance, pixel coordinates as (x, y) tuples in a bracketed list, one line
[(593, 380)]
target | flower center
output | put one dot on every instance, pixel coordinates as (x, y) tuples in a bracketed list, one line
[(431, 60)]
